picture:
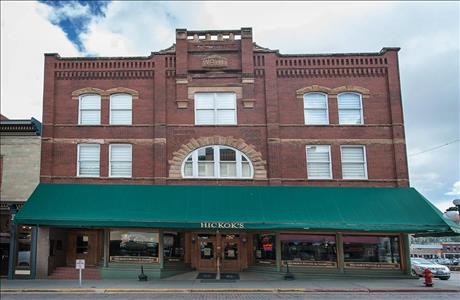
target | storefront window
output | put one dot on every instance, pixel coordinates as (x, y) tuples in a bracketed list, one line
[(309, 250), (4, 241), (24, 234), (381, 252), (265, 248), (133, 246), (173, 246)]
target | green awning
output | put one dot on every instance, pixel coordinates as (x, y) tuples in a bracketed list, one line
[(250, 207)]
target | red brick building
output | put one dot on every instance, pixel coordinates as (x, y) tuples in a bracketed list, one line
[(218, 109)]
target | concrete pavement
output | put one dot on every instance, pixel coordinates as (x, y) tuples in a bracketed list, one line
[(250, 282)]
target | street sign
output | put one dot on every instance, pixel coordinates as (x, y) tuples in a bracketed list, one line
[(80, 264)]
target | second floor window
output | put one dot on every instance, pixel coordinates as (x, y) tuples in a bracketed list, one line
[(217, 162), (121, 109), (315, 109), (88, 160), (350, 109), (319, 162), (89, 109), (120, 160), (215, 109), (354, 164)]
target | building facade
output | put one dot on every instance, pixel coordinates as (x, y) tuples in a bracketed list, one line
[(218, 110), (20, 147)]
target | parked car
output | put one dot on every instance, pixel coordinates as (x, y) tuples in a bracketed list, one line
[(420, 264)]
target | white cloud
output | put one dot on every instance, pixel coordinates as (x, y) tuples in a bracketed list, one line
[(26, 34), (70, 9), (455, 189)]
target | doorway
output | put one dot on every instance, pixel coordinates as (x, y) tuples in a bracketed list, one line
[(82, 245), (214, 249)]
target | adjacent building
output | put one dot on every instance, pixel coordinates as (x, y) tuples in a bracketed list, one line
[(219, 154), (20, 148)]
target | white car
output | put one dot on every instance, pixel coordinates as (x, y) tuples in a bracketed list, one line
[(420, 264)]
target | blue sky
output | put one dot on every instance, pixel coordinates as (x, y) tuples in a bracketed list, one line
[(427, 32)]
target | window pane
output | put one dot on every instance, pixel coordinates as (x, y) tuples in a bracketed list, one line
[(206, 250), (206, 154), (121, 117), (349, 101), (133, 246), (188, 169), (316, 116), (352, 154), (24, 236), (305, 249), (204, 100), (205, 169), (228, 169), (353, 170), (315, 100), (226, 117), (90, 117), (245, 169), (173, 246), (204, 116), (89, 168), (265, 247), (371, 249), (90, 102), (227, 154), (121, 101), (350, 116), (225, 100)]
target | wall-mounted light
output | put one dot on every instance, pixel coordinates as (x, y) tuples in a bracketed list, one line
[(244, 240), (193, 240)]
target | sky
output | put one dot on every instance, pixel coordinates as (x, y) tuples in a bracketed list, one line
[(427, 32)]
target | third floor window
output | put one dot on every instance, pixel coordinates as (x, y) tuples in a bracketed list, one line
[(89, 109), (315, 109), (350, 109), (121, 109), (215, 109)]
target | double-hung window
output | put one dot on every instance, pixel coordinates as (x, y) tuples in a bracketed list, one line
[(121, 109), (89, 109), (354, 164), (88, 160), (319, 162), (350, 109), (315, 109), (120, 160), (215, 109)]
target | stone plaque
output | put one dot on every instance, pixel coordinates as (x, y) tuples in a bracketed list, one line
[(214, 62)]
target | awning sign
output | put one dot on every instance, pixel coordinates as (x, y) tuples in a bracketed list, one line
[(222, 225)]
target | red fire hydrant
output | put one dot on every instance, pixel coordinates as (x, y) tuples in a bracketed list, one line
[(428, 275)]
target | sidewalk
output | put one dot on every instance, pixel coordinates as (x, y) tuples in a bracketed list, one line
[(250, 282)]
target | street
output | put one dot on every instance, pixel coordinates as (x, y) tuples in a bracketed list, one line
[(231, 296)]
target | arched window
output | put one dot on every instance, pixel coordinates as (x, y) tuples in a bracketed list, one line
[(89, 112), (315, 109), (217, 161), (121, 109), (350, 108)]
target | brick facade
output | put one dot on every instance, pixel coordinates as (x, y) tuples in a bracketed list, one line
[(270, 128)]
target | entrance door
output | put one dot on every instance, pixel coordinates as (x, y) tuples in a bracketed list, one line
[(231, 253), (82, 245), (207, 252)]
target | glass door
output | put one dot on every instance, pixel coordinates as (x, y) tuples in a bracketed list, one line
[(207, 252), (231, 253)]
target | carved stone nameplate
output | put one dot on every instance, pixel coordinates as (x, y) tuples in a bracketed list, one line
[(214, 62)]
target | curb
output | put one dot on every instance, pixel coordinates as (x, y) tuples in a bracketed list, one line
[(224, 290)]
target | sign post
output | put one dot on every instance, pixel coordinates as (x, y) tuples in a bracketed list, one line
[(79, 265)]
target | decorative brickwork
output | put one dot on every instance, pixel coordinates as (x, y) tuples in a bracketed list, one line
[(259, 165), (133, 93), (311, 89), (332, 91), (87, 90), (351, 88), (104, 93)]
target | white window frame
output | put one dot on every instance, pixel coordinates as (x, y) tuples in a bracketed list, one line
[(78, 160), (215, 109), (360, 104), (239, 168), (80, 109), (110, 110), (330, 162), (327, 109), (110, 161), (365, 160)]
